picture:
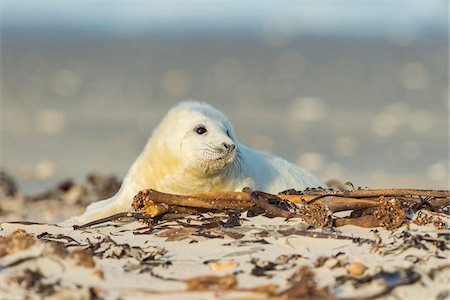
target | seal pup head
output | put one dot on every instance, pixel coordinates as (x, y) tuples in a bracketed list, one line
[(202, 138)]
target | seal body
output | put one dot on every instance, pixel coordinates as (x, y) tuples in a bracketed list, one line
[(193, 150)]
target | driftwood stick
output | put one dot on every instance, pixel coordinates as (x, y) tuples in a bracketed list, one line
[(114, 217), (350, 204), (386, 193), (329, 199), (211, 202), (307, 199), (368, 221)]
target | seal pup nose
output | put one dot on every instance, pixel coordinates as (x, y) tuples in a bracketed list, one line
[(229, 147)]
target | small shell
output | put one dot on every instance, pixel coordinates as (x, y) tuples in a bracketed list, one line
[(216, 267), (356, 269)]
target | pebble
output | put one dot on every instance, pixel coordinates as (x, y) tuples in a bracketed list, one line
[(356, 269)]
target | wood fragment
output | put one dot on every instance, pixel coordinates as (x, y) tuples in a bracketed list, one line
[(212, 202), (368, 221), (114, 217), (397, 192)]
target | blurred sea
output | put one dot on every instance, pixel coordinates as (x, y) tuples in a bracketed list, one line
[(370, 110)]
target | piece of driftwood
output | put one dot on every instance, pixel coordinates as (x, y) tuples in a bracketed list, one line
[(210, 201), (369, 221), (150, 203)]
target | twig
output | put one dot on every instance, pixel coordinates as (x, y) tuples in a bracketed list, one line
[(388, 193), (136, 216)]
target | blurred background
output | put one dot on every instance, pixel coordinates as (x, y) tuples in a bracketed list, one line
[(352, 90)]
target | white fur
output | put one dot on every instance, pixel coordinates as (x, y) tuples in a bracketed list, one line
[(178, 160)]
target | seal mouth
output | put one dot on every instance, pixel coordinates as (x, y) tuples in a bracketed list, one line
[(228, 155), (221, 160)]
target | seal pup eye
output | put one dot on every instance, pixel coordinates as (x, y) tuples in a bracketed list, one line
[(200, 129)]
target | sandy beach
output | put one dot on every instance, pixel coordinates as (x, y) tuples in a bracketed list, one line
[(214, 256)]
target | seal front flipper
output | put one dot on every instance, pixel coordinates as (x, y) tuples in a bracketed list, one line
[(104, 208)]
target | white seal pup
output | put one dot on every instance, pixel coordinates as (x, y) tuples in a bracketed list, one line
[(194, 149)]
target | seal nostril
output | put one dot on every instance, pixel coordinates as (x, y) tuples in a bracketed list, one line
[(229, 147)]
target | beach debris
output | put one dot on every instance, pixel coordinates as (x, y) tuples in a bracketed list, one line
[(304, 286), (84, 257), (95, 186), (225, 283), (210, 282), (18, 240), (441, 268), (390, 213), (8, 186), (356, 269), (385, 281), (316, 214), (216, 267), (265, 268), (34, 280), (370, 208), (261, 200), (425, 218)]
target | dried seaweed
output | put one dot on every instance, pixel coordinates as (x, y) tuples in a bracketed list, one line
[(205, 283), (390, 214), (108, 248), (262, 267), (16, 241), (406, 240), (233, 220), (34, 280), (58, 238), (324, 235), (390, 280), (304, 286), (316, 214), (423, 218)]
